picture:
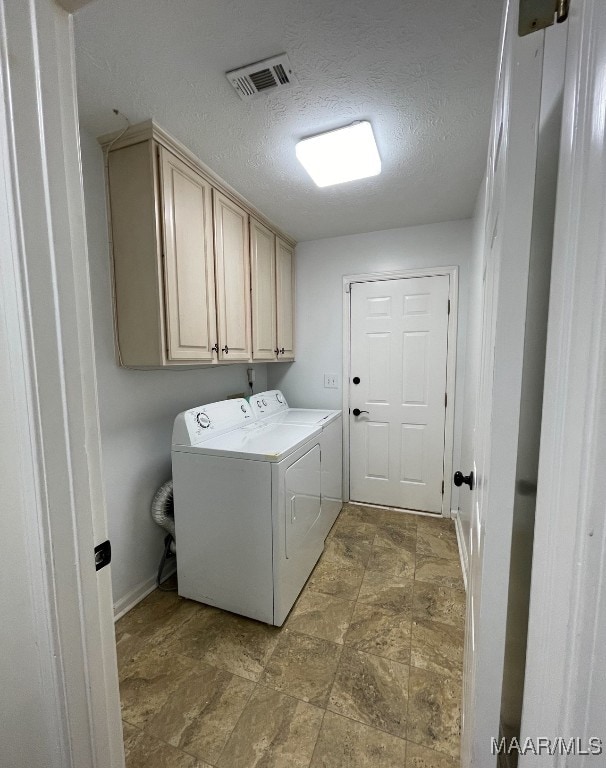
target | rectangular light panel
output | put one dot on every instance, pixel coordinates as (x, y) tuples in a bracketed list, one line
[(341, 155)]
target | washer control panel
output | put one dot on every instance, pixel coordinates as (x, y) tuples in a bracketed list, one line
[(268, 403), (205, 421)]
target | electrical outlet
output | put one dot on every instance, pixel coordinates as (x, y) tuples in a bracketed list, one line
[(331, 381)]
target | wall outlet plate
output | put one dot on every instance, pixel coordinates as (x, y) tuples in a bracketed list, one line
[(331, 380)]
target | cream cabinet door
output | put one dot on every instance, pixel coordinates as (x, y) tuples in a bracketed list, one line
[(232, 266), (188, 261), (285, 295), (263, 291)]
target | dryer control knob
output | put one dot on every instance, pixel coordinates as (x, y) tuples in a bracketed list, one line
[(279, 398), (264, 402)]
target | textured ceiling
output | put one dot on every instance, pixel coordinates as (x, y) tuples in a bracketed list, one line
[(421, 72)]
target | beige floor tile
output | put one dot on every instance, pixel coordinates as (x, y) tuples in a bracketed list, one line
[(435, 523), (127, 648), (348, 549), (352, 512), (438, 543), (202, 712), (396, 535), (437, 647), (398, 517), (439, 570), (303, 667), (321, 616), (148, 682), (435, 603), (157, 616), (234, 643), (380, 632), (392, 593), (434, 711), (333, 577), (344, 743), (274, 731), (392, 562), (371, 690), (363, 532), (142, 750), (421, 757)]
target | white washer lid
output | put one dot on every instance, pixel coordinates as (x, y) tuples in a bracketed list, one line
[(261, 441), (304, 416)]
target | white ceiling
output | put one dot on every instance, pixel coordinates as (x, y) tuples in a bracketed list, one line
[(422, 71)]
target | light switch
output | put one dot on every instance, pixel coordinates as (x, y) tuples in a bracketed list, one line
[(331, 381)]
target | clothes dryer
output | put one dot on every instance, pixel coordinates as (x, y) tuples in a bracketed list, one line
[(272, 406)]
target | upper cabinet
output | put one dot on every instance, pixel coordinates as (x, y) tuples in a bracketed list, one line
[(272, 275), (189, 274), (232, 262), (263, 291), (188, 255), (285, 291)]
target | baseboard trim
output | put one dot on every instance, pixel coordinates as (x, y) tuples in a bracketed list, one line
[(140, 592), (454, 513)]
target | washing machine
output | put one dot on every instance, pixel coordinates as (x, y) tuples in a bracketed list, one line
[(272, 406), (247, 509)]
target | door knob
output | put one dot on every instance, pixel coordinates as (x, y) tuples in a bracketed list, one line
[(356, 379), (357, 411), (460, 478)]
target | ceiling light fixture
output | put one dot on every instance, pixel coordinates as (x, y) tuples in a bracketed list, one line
[(341, 155)]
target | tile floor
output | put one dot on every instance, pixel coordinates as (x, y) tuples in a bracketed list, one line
[(365, 672)]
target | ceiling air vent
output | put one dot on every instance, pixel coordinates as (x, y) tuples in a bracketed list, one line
[(262, 77)]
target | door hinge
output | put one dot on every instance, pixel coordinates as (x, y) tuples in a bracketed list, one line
[(448, 306), (538, 14), (445, 399), (442, 487), (103, 555)]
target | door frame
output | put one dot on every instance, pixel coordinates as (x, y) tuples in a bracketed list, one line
[(567, 620), (55, 453), (452, 272)]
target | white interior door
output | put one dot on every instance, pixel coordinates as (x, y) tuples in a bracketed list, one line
[(399, 345), (510, 189)]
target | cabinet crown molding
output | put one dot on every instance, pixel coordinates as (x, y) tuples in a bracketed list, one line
[(151, 130)]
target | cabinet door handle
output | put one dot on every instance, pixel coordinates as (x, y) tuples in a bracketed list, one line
[(225, 349), (215, 347), (277, 351), (282, 351)]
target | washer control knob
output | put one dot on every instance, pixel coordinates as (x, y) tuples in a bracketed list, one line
[(203, 420), (264, 402), (243, 408), (279, 398)]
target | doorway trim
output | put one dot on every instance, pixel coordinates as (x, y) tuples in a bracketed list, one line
[(452, 272)]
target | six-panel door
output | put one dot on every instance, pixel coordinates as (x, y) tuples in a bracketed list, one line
[(399, 334), (232, 265), (188, 262)]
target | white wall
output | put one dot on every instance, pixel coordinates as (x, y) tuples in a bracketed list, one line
[(136, 409), (320, 266)]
